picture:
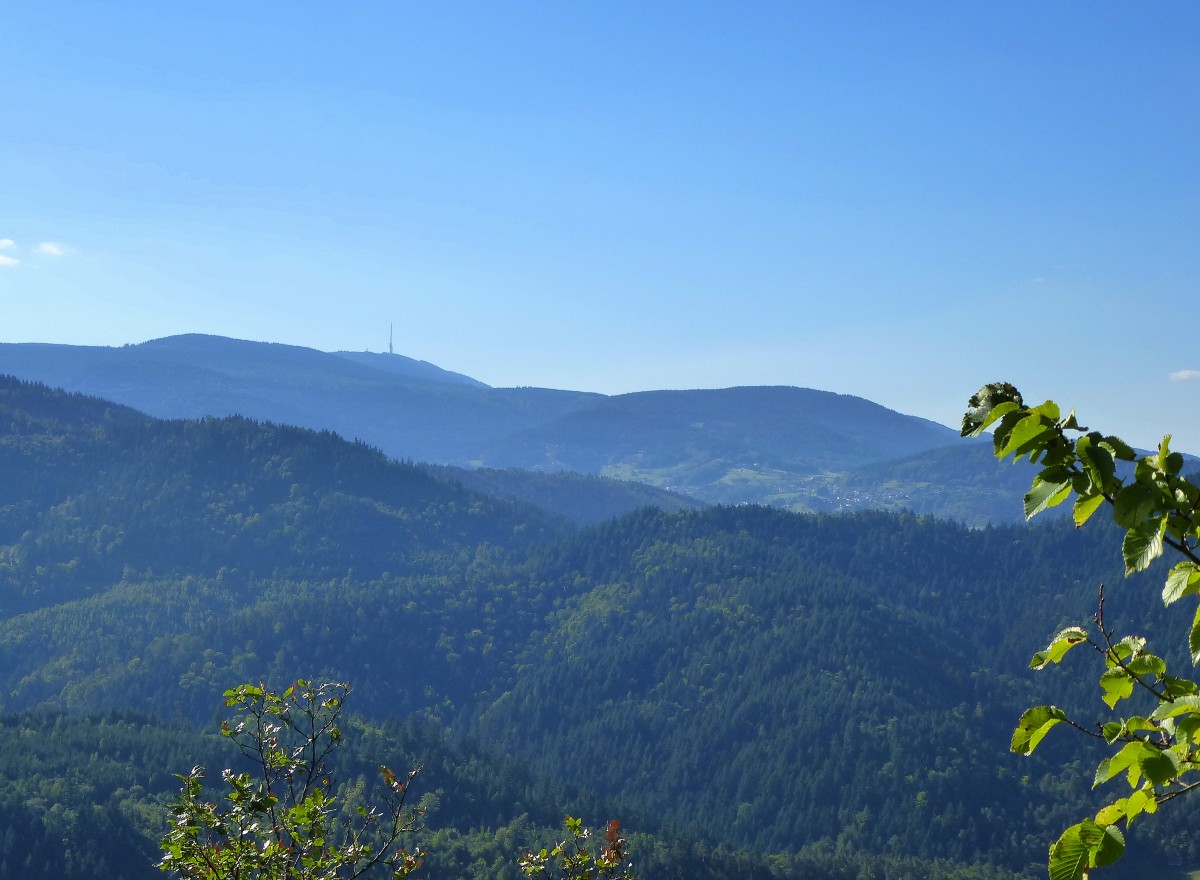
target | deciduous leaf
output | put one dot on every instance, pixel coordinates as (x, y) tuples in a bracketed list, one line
[(1117, 685), (1085, 506), (1137, 759), (1114, 812), (1121, 450), (1046, 493), (1064, 641), (1049, 409), (1133, 503), (989, 403), (1026, 436), (1034, 724), (1143, 544), (1083, 847), (1108, 848), (1194, 638), (1184, 580), (1161, 767), (1175, 687), (1147, 665), (1130, 646), (1141, 801), (1118, 763), (1069, 856), (1097, 459)]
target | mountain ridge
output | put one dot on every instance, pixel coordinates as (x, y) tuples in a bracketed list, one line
[(780, 445), (758, 678)]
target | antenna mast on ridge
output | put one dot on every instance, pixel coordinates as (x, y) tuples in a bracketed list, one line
[(391, 327)]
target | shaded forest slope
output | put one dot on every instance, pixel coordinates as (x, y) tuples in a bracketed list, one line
[(752, 677)]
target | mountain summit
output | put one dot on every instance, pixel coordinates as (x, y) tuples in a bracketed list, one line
[(780, 445)]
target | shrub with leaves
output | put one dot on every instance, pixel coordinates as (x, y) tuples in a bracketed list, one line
[(1156, 754), (581, 856), (283, 818)]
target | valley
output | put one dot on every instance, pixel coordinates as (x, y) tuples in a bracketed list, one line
[(756, 692)]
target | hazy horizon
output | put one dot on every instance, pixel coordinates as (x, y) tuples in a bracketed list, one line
[(896, 203)]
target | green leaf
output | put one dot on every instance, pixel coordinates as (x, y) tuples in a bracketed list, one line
[(1121, 450), (1138, 724), (1184, 580), (1085, 507), (1114, 812), (1173, 464), (1129, 756), (1160, 767), (1026, 436), (1049, 410), (1097, 459), (1141, 801), (1164, 452), (1143, 544), (1046, 493), (1147, 665), (1175, 687), (1128, 809), (1194, 638), (1033, 725), (988, 404), (1064, 641), (1133, 503), (1129, 646), (1108, 848), (1117, 685), (1069, 855), (1147, 471), (1083, 847)]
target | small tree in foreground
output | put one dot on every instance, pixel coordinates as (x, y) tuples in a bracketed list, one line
[(283, 820), (1157, 754), (581, 857)]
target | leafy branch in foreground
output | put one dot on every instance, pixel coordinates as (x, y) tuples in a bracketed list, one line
[(579, 858), (1157, 754), (283, 820)]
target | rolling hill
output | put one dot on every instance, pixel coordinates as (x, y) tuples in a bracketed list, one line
[(797, 448), (772, 683)]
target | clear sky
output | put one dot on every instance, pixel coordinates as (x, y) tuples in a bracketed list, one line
[(896, 200)]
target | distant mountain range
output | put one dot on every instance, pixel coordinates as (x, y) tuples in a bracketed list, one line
[(796, 448)]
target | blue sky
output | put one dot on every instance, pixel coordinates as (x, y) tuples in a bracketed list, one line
[(896, 200)]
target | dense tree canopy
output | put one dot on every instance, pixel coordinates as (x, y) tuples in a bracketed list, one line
[(755, 693)]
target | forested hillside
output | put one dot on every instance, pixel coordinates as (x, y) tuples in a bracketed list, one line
[(766, 694), (580, 498), (774, 676), (798, 448)]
